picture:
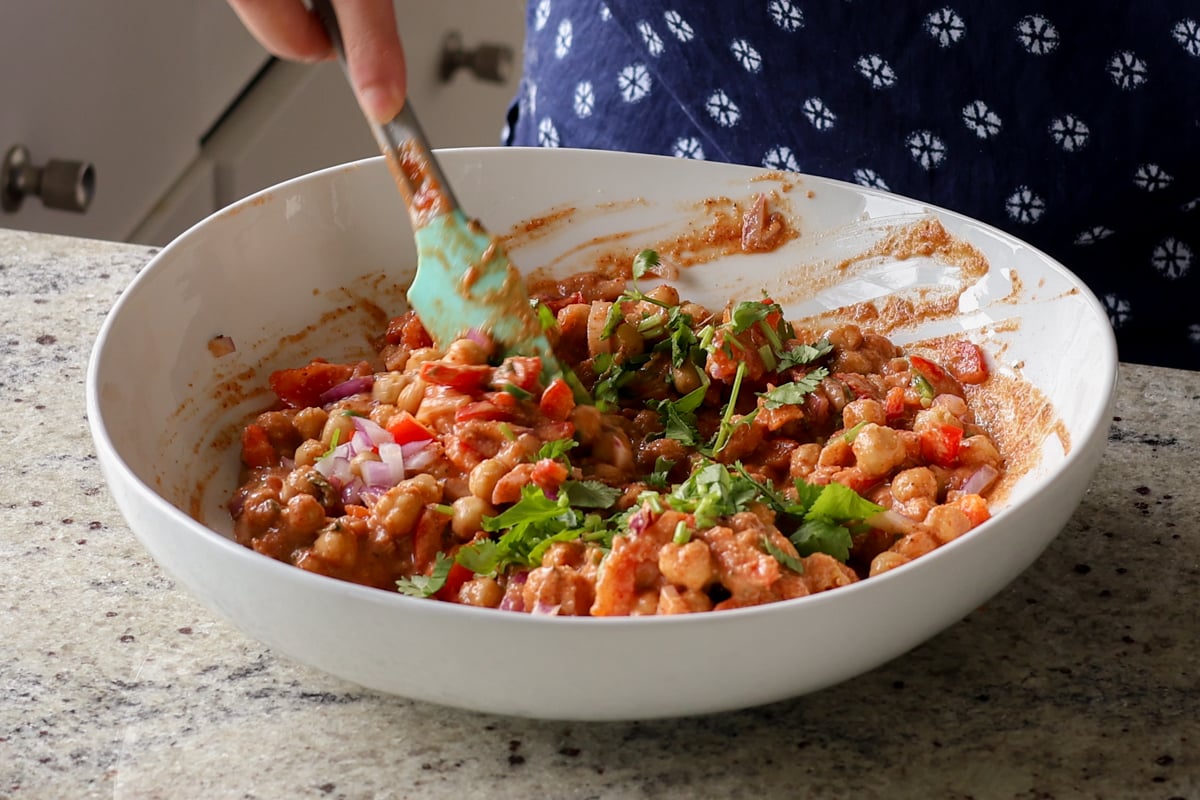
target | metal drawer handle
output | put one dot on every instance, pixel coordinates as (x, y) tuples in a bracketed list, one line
[(487, 62), (63, 185)]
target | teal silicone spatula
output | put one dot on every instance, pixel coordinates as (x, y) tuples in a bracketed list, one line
[(464, 281)]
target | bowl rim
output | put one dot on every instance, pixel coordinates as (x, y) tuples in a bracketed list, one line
[(110, 457)]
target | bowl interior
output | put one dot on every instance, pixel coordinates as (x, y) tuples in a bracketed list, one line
[(314, 267)]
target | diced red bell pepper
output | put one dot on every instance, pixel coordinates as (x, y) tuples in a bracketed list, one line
[(455, 579), (302, 387), (893, 405), (404, 428), (407, 330), (523, 372), (558, 401), (493, 409), (469, 378), (941, 380), (256, 447), (941, 444), (966, 362), (548, 475)]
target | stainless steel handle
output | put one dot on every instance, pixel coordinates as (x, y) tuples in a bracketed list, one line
[(62, 185), (487, 62)]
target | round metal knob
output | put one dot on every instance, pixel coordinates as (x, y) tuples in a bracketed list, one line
[(63, 185), (487, 62)]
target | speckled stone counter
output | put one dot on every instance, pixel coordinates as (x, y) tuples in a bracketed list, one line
[(1080, 680)]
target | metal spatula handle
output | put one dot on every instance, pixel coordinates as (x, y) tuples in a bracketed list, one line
[(401, 139)]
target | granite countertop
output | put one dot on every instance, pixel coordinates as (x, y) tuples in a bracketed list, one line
[(1081, 679)]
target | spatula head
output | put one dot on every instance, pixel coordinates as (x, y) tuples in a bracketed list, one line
[(465, 283)]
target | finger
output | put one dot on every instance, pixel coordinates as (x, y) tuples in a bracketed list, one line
[(374, 55), (285, 28)]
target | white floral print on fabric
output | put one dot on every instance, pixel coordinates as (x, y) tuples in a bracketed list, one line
[(1172, 258), (1151, 177), (1070, 133), (1187, 33), (926, 149), (547, 133), (722, 109), (781, 158), (1096, 233), (1127, 70), (746, 55), (786, 14), (818, 114), (981, 120), (634, 83), (1194, 333), (1118, 309), (678, 26), (584, 101), (605, 13), (871, 179), (1037, 35), (650, 37), (1024, 206), (541, 14), (876, 70), (945, 26), (563, 39), (688, 147), (1190, 205)]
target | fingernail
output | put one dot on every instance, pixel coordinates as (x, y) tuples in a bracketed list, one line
[(381, 103)]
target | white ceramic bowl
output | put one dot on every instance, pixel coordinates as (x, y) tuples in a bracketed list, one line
[(309, 257)]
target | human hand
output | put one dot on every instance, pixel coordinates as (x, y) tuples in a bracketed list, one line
[(374, 56)]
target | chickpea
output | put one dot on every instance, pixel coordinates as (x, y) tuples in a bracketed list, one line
[(397, 510), (588, 423), (481, 591), (467, 519), (686, 378), (863, 410), (336, 547), (627, 342), (915, 483), (878, 450), (304, 514), (483, 478), (388, 385), (309, 422), (418, 357), (664, 293), (308, 453), (465, 351), (689, 565), (804, 460), (410, 396), (342, 424), (979, 450), (947, 523)]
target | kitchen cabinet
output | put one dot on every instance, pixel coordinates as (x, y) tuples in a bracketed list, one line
[(181, 112)]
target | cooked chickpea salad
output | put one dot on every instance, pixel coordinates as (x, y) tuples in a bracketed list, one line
[(721, 459)]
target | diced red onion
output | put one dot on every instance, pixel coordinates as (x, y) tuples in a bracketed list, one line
[(372, 430), (350, 491), (410, 449), (480, 338), (347, 388), (893, 522), (639, 521), (981, 480), (377, 474), (392, 456), (421, 459), (541, 609), (360, 443), (369, 495)]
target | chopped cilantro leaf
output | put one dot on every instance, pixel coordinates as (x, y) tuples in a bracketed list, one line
[(556, 449), (546, 317), (712, 492), (643, 262), (426, 585), (822, 535), (801, 354), (789, 561), (658, 478), (590, 494), (793, 393), (842, 504)]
